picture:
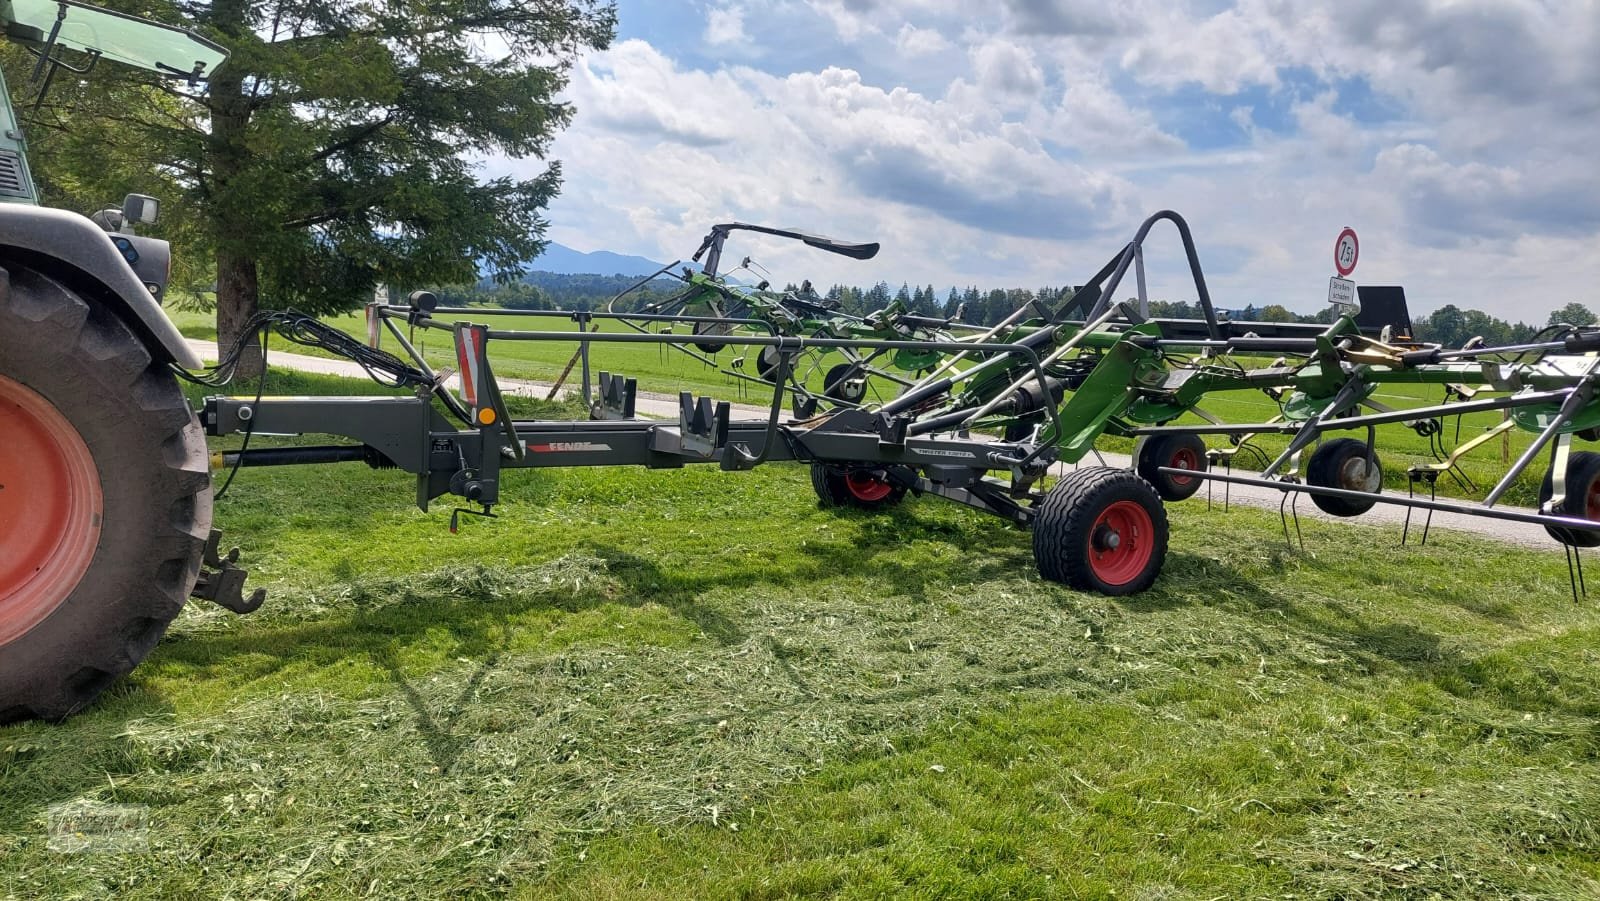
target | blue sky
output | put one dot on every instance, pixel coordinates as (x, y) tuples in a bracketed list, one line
[(1020, 142)]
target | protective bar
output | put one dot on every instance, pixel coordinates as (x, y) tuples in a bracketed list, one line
[(1565, 522)]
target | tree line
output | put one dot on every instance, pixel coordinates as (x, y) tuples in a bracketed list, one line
[(1449, 325)]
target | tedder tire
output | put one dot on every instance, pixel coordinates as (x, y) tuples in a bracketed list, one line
[(1583, 499), (767, 362), (839, 385), (105, 498), (1173, 451), (859, 488), (1101, 529), (1344, 463)]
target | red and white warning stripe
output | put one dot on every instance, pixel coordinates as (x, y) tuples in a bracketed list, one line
[(470, 340)]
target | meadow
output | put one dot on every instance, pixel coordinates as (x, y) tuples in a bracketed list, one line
[(699, 684)]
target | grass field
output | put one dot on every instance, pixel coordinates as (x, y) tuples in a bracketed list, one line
[(697, 684)]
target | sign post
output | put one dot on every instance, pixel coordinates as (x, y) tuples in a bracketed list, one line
[(1341, 290)]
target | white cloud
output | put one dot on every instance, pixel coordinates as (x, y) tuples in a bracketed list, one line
[(1456, 135), (851, 19), (822, 150), (725, 25), (1223, 53), (1004, 68), (1094, 118), (914, 41), (1060, 18)]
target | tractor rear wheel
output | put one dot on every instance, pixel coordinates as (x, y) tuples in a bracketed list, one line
[(864, 489), (1583, 499), (105, 498), (1101, 529)]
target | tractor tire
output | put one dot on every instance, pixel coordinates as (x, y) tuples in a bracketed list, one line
[(858, 488), (1344, 463), (1101, 529), (1173, 451), (105, 498), (1583, 498)]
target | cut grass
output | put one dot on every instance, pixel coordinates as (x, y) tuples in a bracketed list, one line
[(697, 684)]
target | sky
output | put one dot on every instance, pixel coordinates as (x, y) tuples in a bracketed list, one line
[(1019, 143)]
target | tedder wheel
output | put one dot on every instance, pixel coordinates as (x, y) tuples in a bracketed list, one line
[(767, 362), (105, 498), (1174, 451), (865, 489), (1345, 463), (719, 329), (1101, 529), (839, 385), (1583, 499)]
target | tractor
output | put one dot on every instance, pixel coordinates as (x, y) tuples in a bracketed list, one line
[(105, 488)]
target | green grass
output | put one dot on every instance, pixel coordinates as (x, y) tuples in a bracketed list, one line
[(697, 684)]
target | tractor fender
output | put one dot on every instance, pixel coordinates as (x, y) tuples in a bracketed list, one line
[(76, 250)]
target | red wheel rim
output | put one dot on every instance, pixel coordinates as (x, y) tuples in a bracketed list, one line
[(1120, 543), (1592, 501), (1184, 458), (864, 487), (50, 509)]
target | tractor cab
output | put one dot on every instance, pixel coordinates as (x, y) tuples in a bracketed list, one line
[(65, 35)]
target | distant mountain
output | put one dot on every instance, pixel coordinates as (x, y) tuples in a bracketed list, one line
[(563, 260)]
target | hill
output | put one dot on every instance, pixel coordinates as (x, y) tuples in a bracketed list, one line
[(563, 260)]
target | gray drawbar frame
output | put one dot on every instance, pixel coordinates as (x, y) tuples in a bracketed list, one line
[(415, 435)]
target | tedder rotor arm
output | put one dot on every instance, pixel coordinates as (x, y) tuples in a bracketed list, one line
[(711, 247)]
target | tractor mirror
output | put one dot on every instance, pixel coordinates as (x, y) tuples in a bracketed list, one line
[(140, 208)]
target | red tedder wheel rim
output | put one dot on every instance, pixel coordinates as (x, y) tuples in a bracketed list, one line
[(866, 488), (1184, 458), (50, 509), (1120, 543)]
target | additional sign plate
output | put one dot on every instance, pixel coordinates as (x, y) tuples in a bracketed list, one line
[(1346, 251), (1342, 291)]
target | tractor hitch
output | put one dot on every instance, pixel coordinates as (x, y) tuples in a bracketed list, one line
[(224, 585)]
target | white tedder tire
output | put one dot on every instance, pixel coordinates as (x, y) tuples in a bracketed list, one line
[(105, 497)]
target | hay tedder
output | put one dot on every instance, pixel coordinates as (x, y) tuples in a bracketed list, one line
[(718, 305), (106, 491)]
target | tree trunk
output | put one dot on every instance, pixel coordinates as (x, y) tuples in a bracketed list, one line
[(228, 152), (238, 299)]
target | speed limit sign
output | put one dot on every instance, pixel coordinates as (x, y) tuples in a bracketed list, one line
[(1346, 251)]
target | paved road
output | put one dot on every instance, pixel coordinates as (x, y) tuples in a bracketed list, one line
[(662, 406)]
